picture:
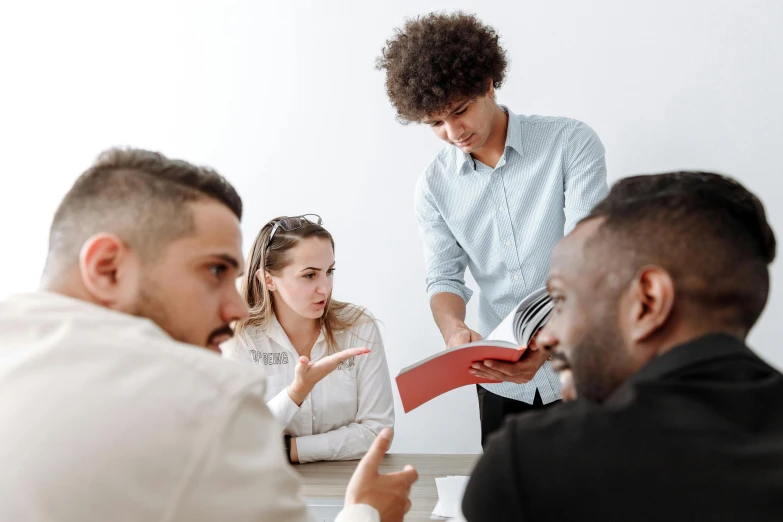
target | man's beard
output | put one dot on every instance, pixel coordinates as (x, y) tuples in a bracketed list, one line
[(602, 362), (151, 307)]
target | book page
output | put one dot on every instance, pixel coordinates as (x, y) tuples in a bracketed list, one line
[(524, 320), (509, 329), (536, 322), (505, 330)]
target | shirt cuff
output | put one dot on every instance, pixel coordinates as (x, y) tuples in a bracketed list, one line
[(463, 291), (358, 513), (312, 448)]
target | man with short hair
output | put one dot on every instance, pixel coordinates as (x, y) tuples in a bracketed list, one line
[(112, 408), (675, 417), (496, 199)]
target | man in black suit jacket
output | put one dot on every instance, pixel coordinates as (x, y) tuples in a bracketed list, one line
[(675, 418)]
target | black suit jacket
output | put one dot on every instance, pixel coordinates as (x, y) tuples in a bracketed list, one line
[(695, 435)]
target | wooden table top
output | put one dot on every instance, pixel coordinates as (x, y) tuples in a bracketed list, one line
[(329, 479)]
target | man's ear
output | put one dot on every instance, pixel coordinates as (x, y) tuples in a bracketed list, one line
[(491, 88), (650, 302), (108, 270), (268, 281)]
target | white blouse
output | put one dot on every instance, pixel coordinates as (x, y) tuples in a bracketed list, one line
[(340, 418)]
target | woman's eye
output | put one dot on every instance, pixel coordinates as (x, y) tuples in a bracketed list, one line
[(309, 276)]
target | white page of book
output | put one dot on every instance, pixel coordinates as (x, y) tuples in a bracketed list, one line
[(506, 330), (522, 323), (533, 306)]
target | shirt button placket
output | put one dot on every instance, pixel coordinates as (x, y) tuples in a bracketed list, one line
[(505, 228)]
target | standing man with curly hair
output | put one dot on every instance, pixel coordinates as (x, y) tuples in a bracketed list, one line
[(496, 199)]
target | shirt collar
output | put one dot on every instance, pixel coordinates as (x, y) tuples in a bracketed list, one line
[(707, 348), (513, 140), (513, 131)]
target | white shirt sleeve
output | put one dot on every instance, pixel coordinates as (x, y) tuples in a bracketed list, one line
[(358, 513), (585, 174), (375, 409), (243, 476), (282, 407), (445, 259)]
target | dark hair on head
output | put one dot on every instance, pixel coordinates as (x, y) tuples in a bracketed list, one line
[(708, 231), (137, 194), (274, 257), (439, 59)]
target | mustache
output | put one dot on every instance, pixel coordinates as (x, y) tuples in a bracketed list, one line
[(225, 330)]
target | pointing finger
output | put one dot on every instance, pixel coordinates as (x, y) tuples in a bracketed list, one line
[(368, 466)]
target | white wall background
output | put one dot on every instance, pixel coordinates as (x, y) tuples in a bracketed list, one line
[(282, 98)]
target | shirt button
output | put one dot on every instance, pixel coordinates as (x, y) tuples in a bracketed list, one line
[(501, 210), (313, 417), (516, 278), (508, 243)]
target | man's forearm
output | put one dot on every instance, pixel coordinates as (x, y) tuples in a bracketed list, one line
[(448, 310)]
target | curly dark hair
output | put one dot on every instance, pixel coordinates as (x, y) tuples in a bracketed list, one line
[(438, 59)]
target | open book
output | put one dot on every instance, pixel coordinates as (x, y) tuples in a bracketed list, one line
[(449, 369)]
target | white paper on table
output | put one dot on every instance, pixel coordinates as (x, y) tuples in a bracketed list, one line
[(450, 491), (438, 509)]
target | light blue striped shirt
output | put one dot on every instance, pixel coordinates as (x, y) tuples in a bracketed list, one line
[(503, 223)]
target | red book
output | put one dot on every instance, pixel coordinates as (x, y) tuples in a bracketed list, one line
[(447, 370), (450, 369)]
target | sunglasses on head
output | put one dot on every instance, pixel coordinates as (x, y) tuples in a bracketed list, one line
[(292, 223)]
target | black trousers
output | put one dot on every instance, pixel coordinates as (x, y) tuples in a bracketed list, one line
[(494, 408)]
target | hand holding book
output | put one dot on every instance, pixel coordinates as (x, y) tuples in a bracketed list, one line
[(462, 335), (518, 372), (507, 355)]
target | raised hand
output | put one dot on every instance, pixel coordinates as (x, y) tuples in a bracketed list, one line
[(308, 373)]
